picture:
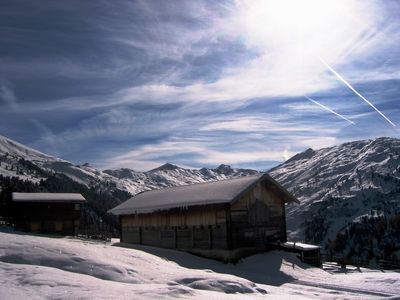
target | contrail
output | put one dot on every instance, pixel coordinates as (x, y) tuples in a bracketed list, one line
[(330, 110), (357, 93)]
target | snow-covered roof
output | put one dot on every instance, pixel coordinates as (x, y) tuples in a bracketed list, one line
[(216, 192), (300, 246), (48, 197)]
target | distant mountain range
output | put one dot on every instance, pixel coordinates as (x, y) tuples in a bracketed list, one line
[(341, 189), (13, 157)]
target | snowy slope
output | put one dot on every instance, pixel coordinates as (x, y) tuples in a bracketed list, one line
[(13, 157), (36, 267), (339, 184), (16, 149), (128, 180)]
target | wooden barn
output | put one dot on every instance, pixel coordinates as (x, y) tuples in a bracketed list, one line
[(47, 212), (223, 219)]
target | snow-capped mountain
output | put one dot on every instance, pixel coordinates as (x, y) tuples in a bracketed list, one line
[(29, 164), (341, 185), (169, 175)]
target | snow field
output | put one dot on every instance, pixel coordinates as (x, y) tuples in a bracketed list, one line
[(38, 267)]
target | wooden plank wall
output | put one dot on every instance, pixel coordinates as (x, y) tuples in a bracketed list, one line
[(59, 218), (200, 228), (200, 216)]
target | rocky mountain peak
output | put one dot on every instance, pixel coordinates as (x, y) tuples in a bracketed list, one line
[(165, 167), (224, 169)]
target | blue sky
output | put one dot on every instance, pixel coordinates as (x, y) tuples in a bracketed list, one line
[(196, 83)]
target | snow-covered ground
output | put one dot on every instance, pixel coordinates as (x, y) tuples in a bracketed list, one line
[(34, 267)]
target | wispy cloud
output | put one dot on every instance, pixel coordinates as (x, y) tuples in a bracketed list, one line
[(356, 92), (320, 142), (48, 137), (268, 124), (148, 156), (171, 47), (7, 95), (330, 110)]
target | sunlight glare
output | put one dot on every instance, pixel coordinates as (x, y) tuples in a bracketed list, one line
[(304, 28), (291, 35)]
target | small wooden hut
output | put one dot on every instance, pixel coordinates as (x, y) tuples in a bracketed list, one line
[(223, 219), (47, 212)]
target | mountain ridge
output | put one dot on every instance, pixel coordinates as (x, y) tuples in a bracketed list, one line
[(339, 186)]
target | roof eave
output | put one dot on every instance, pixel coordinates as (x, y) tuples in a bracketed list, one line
[(50, 201), (132, 211), (77, 199)]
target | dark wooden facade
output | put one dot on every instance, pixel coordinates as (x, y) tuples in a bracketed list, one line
[(255, 221), (50, 217)]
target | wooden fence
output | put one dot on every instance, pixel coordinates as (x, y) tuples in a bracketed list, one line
[(104, 233), (389, 264), (384, 264), (344, 261)]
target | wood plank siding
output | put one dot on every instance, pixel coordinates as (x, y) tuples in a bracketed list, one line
[(202, 227)]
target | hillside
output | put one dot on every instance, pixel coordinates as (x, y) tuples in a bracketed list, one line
[(353, 188)]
